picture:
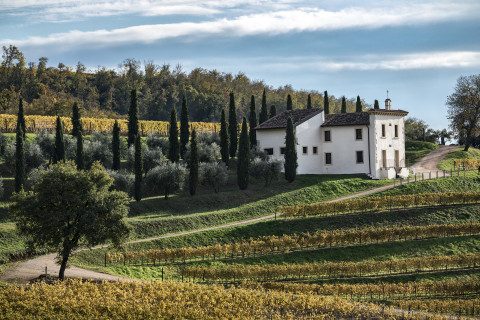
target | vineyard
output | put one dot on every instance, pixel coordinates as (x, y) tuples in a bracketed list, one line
[(286, 243), (378, 203), (169, 300), (36, 124)]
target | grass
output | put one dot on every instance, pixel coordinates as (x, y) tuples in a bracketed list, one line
[(156, 216), (447, 162), (415, 150)]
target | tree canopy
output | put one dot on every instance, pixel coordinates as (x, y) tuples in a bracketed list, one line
[(464, 108), (67, 207)]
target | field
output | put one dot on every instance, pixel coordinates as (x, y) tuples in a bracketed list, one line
[(357, 264)]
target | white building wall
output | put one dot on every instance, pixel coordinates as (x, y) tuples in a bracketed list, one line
[(272, 138), (387, 145), (309, 135), (343, 147)]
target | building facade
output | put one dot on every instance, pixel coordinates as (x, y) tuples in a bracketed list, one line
[(371, 142)]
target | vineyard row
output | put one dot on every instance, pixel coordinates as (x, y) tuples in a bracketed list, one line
[(271, 244), (328, 270), (379, 291), (469, 307), (377, 203), (36, 124), (173, 300)]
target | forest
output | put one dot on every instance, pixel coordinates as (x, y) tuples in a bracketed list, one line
[(104, 93)]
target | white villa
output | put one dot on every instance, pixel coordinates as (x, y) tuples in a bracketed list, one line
[(371, 142)]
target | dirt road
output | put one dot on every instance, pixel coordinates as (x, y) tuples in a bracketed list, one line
[(431, 160)]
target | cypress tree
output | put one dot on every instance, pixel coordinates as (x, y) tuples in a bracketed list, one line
[(290, 164), (358, 106), (253, 122), (243, 157), (326, 104), (344, 105), (273, 111), (376, 105), (132, 118), (193, 174), (224, 141), (80, 156), (19, 159), (289, 102), (21, 118), (138, 168), (309, 102), (76, 124), (59, 142), (232, 126), (184, 130), (116, 146), (173, 145), (263, 112)]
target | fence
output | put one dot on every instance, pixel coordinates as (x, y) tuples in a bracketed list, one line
[(420, 176)]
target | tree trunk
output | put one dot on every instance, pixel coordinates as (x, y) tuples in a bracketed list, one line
[(63, 264)]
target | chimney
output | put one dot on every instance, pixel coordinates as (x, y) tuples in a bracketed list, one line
[(388, 104)]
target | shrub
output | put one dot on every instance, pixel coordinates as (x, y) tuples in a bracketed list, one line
[(97, 151), (213, 174), (154, 141), (166, 178), (3, 143), (206, 152), (152, 157), (208, 137), (122, 180), (46, 142), (34, 156), (268, 169)]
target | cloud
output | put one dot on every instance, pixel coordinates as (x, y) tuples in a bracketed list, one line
[(269, 23), (424, 60)]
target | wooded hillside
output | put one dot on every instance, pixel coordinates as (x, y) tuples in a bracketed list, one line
[(50, 90)]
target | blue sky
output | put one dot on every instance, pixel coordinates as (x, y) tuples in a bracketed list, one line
[(415, 49)]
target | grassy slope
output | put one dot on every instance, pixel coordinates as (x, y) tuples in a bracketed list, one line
[(187, 213), (447, 162), (415, 150)]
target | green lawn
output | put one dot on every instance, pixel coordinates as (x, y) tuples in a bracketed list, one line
[(415, 150)]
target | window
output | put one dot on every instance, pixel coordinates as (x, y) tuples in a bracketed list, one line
[(282, 150), (359, 156), (328, 158), (305, 150), (358, 134), (268, 151), (315, 150), (396, 131), (383, 131), (327, 136)]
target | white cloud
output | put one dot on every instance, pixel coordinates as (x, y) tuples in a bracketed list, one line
[(270, 23), (424, 60)]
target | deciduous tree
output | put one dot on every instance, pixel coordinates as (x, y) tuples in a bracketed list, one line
[(68, 207), (464, 108)]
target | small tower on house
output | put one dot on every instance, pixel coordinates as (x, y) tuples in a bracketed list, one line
[(388, 103)]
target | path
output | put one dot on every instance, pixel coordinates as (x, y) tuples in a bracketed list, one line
[(25, 271), (431, 160)]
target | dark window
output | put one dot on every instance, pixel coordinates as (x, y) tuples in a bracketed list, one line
[(328, 158), (383, 130), (282, 150), (396, 131), (358, 134), (268, 151), (327, 136), (305, 150), (359, 156), (315, 150)]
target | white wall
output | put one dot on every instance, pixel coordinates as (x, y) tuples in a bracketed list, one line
[(389, 143), (309, 135), (343, 147), (272, 138)]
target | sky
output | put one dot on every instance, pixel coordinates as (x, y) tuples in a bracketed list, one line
[(414, 49)]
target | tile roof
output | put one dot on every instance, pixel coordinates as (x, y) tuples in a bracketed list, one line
[(280, 120), (346, 119)]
